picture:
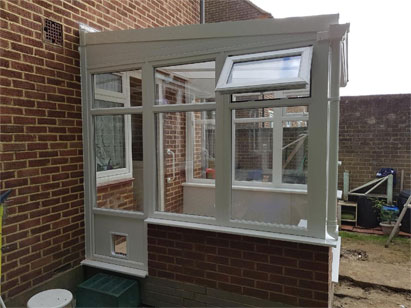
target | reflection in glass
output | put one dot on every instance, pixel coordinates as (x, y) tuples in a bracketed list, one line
[(185, 152), (203, 140), (119, 162), (253, 151), (109, 82), (109, 140), (123, 88), (295, 152), (186, 84), (270, 158), (258, 71)]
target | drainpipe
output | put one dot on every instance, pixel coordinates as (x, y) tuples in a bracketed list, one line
[(202, 12), (334, 110)]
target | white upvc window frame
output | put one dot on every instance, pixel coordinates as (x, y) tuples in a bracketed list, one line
[(206, 43), (276, 124), (277, 119), (300, 82), (108, 176), (191, 122)]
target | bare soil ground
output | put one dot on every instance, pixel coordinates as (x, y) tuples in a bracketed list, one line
[(372, 275)]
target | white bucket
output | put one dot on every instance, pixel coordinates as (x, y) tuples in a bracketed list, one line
[(54, 298)]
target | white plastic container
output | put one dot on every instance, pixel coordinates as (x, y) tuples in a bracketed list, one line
[(54, 298)]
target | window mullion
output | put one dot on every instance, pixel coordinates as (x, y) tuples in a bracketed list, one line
[(190, 140), (277, 145), (223, 160), (149, 147), (223, 152)]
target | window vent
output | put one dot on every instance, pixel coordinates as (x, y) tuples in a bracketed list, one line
[(53, 32)]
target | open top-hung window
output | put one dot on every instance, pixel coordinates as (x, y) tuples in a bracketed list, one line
[(273, 70)]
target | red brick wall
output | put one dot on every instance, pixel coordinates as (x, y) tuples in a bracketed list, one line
[(174, 138), (229, 10), (41, 149), (296, 274), (118, 196), (375, 132)]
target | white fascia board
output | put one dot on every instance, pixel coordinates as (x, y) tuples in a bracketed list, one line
[(216, 30)]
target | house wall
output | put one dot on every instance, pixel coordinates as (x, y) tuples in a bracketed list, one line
[(375, 132), (228, 10), (41, 129)]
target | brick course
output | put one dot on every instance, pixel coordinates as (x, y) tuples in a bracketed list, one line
[(291, 273), (41, 138)]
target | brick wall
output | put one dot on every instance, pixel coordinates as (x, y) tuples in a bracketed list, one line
[(291, 273), (174, 138), (228, 10), (375, 132), (117, 196), (41, 149)]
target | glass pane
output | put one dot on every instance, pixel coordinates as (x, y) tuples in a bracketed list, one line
[(296, 110), (203, 140), (295, 152), (123, 88), (254, 113), (186, 84), (260, 71), (119, 162), (119, 245), (270, 155), (136, 92), (105, 104), (253, 152), (109, 82), (178, 135), (109, 140)]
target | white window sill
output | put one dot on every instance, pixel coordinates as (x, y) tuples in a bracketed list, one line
[(245, 232), (115, 268), (116, 179), (251, 188)]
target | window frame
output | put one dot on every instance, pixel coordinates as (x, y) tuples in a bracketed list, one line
[(99, 53), (277, 127), (190, 124), (221, 106), (300, 82), (108, 176), (276, 183)]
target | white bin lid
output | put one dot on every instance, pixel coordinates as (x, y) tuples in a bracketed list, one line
[(54, 298)]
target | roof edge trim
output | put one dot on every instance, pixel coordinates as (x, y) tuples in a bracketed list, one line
[(216, 30)]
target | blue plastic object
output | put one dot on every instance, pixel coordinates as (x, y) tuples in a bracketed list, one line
[(391, 208), (387, 171)]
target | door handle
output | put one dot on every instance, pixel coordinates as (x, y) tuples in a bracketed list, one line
[(169, 152)]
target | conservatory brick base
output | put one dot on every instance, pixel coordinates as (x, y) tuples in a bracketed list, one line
[(271, 270)]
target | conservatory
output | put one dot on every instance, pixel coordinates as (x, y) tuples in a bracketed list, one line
[(228, 128)]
